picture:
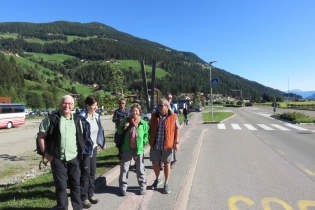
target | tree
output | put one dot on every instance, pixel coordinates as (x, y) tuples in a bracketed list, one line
[(34, 100), (81, 102), (98, 98), (48, 100)]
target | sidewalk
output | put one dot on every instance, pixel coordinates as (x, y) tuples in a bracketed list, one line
[(107, 187)]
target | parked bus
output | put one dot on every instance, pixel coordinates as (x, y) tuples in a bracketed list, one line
[(12, 115)]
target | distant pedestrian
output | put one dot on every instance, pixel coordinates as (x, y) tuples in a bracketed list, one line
[(93, 133), (136, 136), (121, 113), (186, 113), (61, 144), (164, 136)]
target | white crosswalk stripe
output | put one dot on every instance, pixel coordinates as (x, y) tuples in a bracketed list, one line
[(221, 126), (236, 127), (296, 127), (250, 127), (280, 127), (265, 127)]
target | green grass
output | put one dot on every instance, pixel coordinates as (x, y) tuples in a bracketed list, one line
[(285, 104), (136, 65), (7, 36), (83, 89), (217, 116), (27, 62), (53, 58), (38, 193)]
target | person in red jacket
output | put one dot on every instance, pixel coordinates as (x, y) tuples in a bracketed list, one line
[(164, 135)]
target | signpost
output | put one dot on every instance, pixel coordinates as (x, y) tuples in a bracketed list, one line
[(214, 81)]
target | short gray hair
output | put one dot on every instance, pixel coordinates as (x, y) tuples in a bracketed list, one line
[(66, 96), (165, 102)]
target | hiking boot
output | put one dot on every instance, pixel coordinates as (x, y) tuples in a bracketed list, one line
[(86, 204), (123, 193), (166, 190), (142, 191), (93, 200), (156, 183)]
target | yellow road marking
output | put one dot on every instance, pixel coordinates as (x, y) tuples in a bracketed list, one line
[(279, 151), (265, 203), (309, 172), (303, 204), (267, 142), (234, 199)]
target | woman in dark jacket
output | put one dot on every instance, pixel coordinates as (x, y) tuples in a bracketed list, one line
[(93, 133)]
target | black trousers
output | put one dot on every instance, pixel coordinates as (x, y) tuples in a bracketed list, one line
[(88, 170), (63, 171)]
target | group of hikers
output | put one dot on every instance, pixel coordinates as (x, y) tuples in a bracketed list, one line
[(70, 141)]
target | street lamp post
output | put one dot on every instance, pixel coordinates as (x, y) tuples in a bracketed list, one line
[(211, 91)]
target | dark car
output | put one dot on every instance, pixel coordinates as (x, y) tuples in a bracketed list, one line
[(195, 109), (36, 113), (248, 104)]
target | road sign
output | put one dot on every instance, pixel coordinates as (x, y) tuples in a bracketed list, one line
[(215, 82)]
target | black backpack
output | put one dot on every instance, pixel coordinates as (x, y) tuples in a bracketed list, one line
[(53, 118)]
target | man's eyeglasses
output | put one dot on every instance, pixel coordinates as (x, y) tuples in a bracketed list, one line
[(65, 104), (121, 103), (161, 105)]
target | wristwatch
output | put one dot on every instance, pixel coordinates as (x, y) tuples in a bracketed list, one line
[(176, 142)]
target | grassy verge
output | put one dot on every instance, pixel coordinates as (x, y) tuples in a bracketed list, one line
[(217, 116), (296, 117), (181, 118), (38, 193)]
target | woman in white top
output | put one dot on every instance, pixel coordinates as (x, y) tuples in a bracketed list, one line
[(93, 133)]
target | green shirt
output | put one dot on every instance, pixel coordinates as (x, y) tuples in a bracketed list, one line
[(69, 148)]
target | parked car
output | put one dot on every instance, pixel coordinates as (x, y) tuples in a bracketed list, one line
[(195, 109), (36, 113), (146, 117), (45, 112), (28, 111)]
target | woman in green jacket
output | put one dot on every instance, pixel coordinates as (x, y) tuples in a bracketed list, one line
[(135, 137)]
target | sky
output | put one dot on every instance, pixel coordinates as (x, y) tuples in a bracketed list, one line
[(271, 42)]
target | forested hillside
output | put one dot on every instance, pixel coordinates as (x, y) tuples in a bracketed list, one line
[(96, 43)]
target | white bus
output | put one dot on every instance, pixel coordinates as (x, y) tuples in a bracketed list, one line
[(12, 115)]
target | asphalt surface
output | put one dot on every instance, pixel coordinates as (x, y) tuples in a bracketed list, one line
[(224, 169)]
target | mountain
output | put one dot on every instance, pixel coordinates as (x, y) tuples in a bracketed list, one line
[(311, 97), (97, 43), (304, 94)]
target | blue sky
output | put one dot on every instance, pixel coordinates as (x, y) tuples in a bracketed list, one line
[(271, 42)]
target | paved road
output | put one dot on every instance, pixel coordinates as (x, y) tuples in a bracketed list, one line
[(249, 161)]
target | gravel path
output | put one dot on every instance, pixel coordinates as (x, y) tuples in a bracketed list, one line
[(18, 161)]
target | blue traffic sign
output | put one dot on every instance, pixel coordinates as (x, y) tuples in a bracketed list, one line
[(215, 82)]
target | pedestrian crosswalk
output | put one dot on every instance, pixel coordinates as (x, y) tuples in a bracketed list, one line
[(254, 127)]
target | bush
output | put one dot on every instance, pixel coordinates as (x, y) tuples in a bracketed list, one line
[(296, 117)]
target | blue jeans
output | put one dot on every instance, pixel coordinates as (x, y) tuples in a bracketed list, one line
[(186, 119)]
